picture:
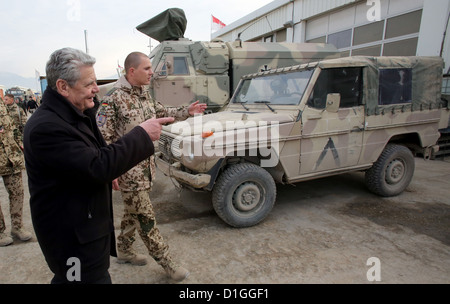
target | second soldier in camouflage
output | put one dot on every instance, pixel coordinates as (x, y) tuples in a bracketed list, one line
[(125, 106)]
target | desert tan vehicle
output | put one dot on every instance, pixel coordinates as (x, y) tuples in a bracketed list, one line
[(372, 114)]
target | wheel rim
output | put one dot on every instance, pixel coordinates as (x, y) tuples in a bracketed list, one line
[(395, 171), (247, 197)]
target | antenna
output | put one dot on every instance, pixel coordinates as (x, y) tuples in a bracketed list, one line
[(239, 35), (85, 41)]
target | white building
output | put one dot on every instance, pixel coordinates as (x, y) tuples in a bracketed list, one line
[(355, 27)]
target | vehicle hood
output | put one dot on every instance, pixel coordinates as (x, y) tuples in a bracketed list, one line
[(226, 121)]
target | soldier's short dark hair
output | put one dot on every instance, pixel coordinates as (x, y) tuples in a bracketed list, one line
[(133, 60)]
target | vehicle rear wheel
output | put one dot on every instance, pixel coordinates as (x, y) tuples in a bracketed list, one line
[(392, 172), (244, 195)]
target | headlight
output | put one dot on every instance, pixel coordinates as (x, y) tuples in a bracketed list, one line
[(191, 147), (191, 156)]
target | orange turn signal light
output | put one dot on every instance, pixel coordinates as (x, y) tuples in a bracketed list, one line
[(207, 134)]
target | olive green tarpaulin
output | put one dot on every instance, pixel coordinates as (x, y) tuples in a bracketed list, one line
[(425, 86), (169, 25)]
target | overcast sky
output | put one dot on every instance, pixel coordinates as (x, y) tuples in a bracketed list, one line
[(30, 30)]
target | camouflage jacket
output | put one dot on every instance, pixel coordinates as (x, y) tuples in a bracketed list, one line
[(123, 108), (20, 119), (11, 155)]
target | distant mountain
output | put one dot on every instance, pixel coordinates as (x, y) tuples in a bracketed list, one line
[(9, 80)]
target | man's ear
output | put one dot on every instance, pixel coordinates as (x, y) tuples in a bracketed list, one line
[(62, 87)]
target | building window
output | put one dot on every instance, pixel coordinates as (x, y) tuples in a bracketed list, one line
[(446, 85), (368, 33), (268, 38), (368, 51), (322, 39), (341, 39), (395, 86), (396, 35), (403, 25), (281, 35), (407, 47)]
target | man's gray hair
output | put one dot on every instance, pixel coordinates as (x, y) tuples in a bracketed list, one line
[(65, 64)]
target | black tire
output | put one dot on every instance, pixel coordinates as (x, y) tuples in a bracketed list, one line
[(244, 195), (392, 172)]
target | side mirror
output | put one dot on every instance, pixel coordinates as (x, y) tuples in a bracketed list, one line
[(333, 101), (169, 66)]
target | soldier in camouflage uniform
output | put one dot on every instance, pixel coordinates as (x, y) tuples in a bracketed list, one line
[(18, 115), (11, 166), (125, 106)]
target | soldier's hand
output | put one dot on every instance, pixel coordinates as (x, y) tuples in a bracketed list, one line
[(153, 126), (197, 108)]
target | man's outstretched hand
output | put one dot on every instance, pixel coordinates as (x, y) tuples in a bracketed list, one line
[(153, 126)]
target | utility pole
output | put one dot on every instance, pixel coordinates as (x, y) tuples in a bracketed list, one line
[(85, 41)]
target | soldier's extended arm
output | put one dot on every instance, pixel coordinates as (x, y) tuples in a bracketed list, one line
[(179, 113)]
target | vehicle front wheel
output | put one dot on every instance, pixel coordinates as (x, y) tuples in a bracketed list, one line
[(392, 172), (244, 195)]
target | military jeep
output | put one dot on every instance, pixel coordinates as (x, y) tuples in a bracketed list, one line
[(372, 114)]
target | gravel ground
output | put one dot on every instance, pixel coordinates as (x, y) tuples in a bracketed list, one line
[(321, 231)]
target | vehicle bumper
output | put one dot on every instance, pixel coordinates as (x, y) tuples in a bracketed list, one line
[(173, 170)]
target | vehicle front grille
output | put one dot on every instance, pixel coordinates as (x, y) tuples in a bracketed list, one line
[(169, 146)]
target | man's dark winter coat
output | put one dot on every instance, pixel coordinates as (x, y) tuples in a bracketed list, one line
[(70, 169)]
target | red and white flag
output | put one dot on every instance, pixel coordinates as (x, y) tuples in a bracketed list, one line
[(216, 24)]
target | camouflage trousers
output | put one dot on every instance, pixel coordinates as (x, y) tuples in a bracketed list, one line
[(14, 187), (139, 215)]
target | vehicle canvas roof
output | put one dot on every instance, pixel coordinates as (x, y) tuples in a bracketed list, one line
[(426, 77), (426, 81)]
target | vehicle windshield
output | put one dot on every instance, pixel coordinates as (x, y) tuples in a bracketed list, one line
[(280, 89)]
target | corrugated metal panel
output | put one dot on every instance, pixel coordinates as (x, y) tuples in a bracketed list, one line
[(311, 8), (270, 23), (264, 23)]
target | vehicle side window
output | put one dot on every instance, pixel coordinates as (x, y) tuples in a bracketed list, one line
[(395, 86), (345, 81), (180, 66), (163, 71)]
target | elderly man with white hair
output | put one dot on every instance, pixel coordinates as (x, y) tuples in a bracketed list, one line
[(71, 168)]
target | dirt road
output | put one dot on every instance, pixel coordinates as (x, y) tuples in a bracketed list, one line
[(322, 231)]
